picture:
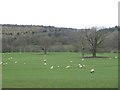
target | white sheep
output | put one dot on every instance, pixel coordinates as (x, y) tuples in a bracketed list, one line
[(1, 62), (83, 59), (116, 57), (80, 66), (16, 62), (71, 61), (83, 65), (67, 66), (51, 67), (92, 70), (45, 63)]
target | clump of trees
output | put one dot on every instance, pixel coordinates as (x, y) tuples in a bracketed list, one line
[(31, 38)]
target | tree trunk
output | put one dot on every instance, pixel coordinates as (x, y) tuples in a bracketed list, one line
[(82, 52), (94, 52), (45, 51), (82, 46)]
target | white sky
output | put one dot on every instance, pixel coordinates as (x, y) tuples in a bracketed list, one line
[(60, 13)]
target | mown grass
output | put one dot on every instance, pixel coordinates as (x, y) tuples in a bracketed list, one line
[(34, 74)]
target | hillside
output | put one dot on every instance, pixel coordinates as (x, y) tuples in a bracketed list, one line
[(30, 37)]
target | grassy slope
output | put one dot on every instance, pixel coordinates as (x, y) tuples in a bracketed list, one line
[(34, 74)]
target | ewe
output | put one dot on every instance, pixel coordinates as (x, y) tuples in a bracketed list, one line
[(116, 57), (83, 59), (16, 62), (83, 65), (45, 63), (1, 62), (51, 67), (67, 66), (92, 70), (80, 66)]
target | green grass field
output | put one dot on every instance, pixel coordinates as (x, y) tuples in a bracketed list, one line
[(30, 71)]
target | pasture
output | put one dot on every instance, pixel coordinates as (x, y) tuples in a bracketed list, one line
[(27, 70)]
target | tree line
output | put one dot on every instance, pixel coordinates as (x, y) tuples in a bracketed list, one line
[(38, 38)]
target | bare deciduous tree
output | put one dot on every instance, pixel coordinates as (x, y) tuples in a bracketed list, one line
[(77, 39), (45, 41), (94, 38)]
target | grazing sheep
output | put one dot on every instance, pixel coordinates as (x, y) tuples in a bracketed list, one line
[(24, 63), (92, 70), (83, 59), (51, 67), (71, 61), (67, 66), (116, 57), (16, 62), (45, 63), (58, 66), (80, 66), (1, 62), (83, 65)]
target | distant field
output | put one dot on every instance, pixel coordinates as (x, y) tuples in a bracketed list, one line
[(27, 70)]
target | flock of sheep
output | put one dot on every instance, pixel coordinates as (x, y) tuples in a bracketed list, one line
[(52, 67), (79, 66)]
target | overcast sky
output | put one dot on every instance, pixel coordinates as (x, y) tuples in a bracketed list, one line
[(60, 13)]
